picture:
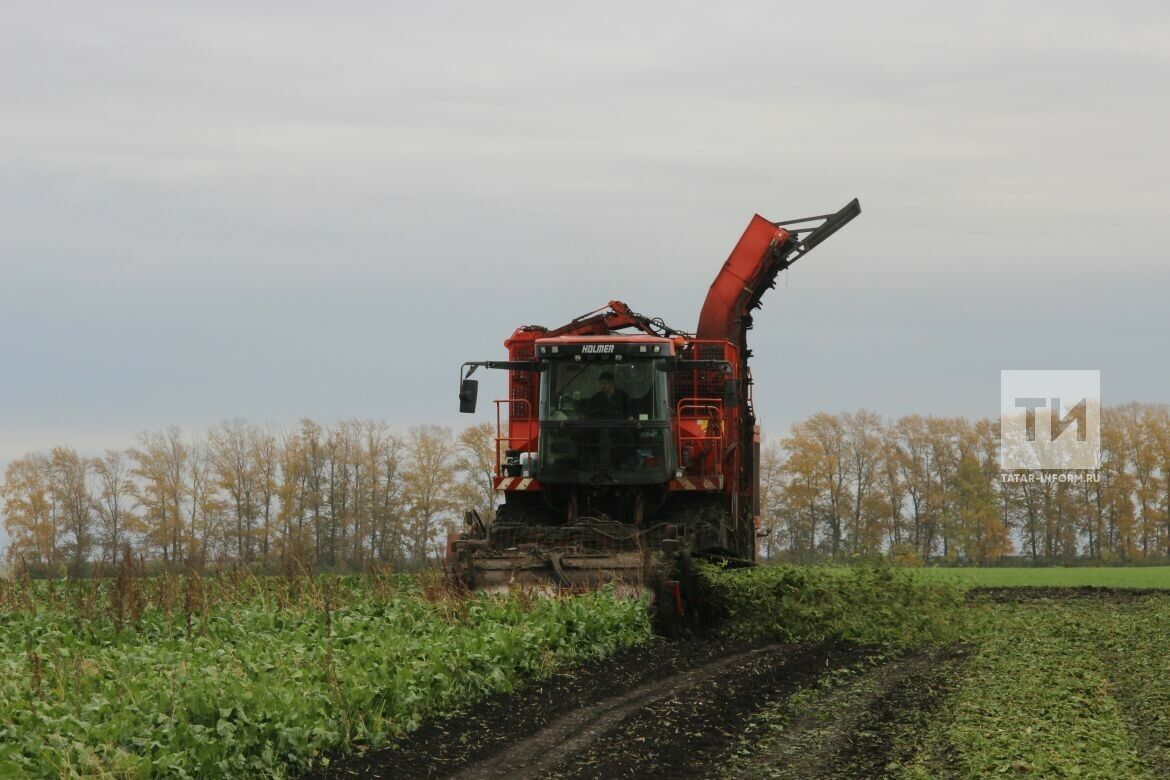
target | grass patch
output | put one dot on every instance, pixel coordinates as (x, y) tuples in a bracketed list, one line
[(1053, 576)]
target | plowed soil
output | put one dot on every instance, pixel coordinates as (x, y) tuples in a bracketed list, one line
[(1003, 595), (678, 709)]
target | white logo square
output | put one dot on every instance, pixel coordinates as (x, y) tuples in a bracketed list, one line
[(1050, 420)]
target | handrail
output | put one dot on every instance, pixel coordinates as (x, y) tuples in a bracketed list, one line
[(500, 438), (714, 413)]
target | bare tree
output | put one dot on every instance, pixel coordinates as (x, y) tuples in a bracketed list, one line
[(115, 494), (69, 484), (230, 449), (161, 465), (863, 449)]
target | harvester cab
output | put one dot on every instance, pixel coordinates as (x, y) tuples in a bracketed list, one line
[(626, 448)]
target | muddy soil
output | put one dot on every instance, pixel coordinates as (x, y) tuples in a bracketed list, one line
[(707, 708), (677, 709), (1001, 595), (442, 746), (864, 723)]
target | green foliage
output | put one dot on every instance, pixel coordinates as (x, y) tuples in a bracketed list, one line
[(1061, 688), (865, 604), (1131, 641), (263, 677), (1053, 576)]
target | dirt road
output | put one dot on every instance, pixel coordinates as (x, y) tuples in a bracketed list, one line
[(682, 709)]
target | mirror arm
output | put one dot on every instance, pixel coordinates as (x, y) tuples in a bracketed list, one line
[(468, 388), (511, 365)]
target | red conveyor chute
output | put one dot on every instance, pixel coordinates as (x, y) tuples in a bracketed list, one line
[(745, 271), (764, 249)]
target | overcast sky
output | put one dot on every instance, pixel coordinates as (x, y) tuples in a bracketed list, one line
[(210, 211)]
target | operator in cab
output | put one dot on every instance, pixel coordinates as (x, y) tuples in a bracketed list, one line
[(609, 403)]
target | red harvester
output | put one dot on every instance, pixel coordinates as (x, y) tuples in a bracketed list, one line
[(626, 448)]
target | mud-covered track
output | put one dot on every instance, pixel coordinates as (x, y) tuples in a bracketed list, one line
[(679, 726), (671, 709), (1012, 594), (859, 726), (578, 730)]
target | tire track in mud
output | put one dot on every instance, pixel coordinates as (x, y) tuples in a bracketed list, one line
[(676, 727), (536, 755), (664, 709), (442, 746), (858, 727), (686, 709)]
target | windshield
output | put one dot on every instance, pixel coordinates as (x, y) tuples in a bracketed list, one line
[(604, 422), (603, 391)]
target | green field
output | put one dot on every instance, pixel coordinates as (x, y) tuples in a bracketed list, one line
[(1058, 687), (1055, 576), (237, 675), (241, 676), (1051, 683)]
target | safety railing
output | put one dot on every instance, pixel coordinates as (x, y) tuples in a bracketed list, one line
[(702, 410), (507, 440)]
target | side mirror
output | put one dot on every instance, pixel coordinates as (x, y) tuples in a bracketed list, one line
[(468, 392), (731, 393)]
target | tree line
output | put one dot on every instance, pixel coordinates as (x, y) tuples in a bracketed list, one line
[(356, 493), (344, 496), (921, 489)]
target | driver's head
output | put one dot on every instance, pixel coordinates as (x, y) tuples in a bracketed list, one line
[(606, 382)]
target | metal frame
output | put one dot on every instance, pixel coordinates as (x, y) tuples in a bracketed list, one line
[(711, 405), (499, 426)]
